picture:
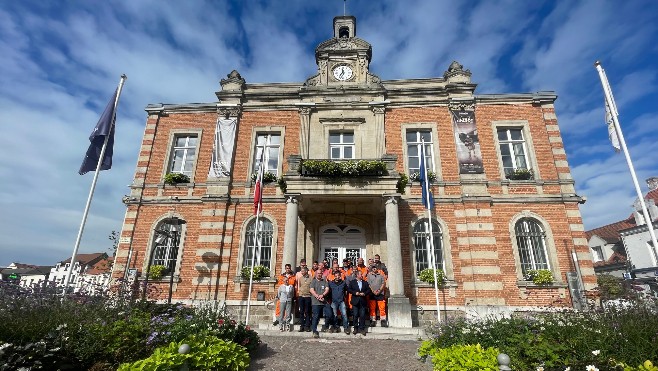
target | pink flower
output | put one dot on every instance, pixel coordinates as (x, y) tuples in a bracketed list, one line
[(220, 322), (248, 328), (233, 322)]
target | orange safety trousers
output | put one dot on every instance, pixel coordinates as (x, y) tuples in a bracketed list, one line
[(374, 304)]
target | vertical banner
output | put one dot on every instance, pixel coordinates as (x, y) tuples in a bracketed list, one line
[(222, 153), (468, 144)]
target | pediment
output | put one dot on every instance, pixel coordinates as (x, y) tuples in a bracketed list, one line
[(344, 44)]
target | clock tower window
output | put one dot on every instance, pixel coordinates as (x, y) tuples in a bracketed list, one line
[(344, 32)]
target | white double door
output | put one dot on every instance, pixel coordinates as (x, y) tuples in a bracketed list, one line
[(342, 241)]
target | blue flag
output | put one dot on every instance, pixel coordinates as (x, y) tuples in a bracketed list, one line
[(428, 199), (103, 128)]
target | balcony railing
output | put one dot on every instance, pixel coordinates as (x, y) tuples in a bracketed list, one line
[(328, 168)]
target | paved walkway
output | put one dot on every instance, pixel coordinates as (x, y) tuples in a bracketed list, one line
[(287, 353)]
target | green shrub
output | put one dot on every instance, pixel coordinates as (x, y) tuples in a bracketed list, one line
[(206, 353), (415, 177), (337, 169), (156, 272), (427, 275), (260, 272), (461, 357), (520, 174), (267, 177), (175, 178), (402, 183), (540, 276)]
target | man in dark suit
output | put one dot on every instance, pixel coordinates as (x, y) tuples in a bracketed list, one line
[(360, 291)]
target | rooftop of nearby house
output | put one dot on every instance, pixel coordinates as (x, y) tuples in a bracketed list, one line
[(100, 267), (87, 259)]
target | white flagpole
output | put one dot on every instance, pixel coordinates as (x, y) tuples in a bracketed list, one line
[(93, 187), (431, 236), (259, 180), (607, 90)]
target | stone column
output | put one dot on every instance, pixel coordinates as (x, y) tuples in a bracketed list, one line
[(290, 237), (304, 131), (380, 141), (399, 309)]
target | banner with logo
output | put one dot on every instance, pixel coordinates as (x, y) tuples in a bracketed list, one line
[(468, 144)]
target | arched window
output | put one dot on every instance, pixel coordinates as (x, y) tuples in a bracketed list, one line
[(531, 241), (167, 243), (262, 243), (422, 245)]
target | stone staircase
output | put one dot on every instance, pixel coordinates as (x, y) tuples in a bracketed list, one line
[(392, 333)]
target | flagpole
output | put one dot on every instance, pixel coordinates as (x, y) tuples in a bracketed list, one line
[(431, 236), (607, 90), (259, 183), (93, 188)]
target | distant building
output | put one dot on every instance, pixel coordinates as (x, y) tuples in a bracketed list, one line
[(26, 275), (83, 263), (625, 247)]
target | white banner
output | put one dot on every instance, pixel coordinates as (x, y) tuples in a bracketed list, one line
[(222, 152)]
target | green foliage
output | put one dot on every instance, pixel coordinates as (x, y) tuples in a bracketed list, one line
[(561, 339), (540, 276), (260, 272), (415, 177), (462, 357), (156, 272), (520, 174), (427, 275), (206, 353), (175, 178), (610, 287), (282, 184), (402, 183), (267, 177), (338, 169)]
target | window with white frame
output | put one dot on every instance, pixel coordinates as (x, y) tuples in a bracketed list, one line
[(531, 242), (422, 247), (341, 145), (183, 154), (166, 241), (270, 143), (414, 139), (513, 149), (260, 242), (597, 253)]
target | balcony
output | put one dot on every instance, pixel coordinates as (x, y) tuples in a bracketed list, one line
[(357, 177)]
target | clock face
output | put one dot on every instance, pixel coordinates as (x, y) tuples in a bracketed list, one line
[(343, 73)]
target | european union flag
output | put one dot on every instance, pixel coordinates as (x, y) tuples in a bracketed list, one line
[(103, 128), (428, 199)]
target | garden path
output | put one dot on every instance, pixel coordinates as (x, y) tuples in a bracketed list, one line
[(288, 353)]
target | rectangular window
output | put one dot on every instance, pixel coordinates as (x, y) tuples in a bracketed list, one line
[(597, 252), (270, 144), (414, 139), (512, 149), (341, 146), (184, 154)]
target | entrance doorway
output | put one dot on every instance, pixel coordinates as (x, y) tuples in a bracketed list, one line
[(342, 241)]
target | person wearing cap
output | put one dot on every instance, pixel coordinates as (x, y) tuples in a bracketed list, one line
[(337, 287), (377, 300), (360, 290)]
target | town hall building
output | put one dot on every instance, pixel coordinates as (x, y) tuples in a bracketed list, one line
[(504, 197)]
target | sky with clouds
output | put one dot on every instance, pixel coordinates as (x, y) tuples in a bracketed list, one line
[(61, 62)]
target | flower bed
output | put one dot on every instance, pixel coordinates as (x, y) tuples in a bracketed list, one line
[(614, 339), (42, 330)]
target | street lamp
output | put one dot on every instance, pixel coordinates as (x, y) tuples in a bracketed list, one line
[(168, 237)]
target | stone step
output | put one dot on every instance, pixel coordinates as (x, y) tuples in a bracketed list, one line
[(395, 333)]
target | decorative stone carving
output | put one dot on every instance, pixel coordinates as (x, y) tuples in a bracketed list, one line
[(458, 105), (378, 110), (373, 79), (227, 112), (304, 110), (313, 80), (233, 81), (457, 73)]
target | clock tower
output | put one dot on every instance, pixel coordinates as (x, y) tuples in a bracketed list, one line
[(343, 59)]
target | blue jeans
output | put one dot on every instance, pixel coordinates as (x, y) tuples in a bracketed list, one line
[(317, 309), (335, 306)]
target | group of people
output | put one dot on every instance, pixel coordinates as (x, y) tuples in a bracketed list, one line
[(345, 295)]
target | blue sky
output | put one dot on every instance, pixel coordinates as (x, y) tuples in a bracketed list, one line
[(61, 62)]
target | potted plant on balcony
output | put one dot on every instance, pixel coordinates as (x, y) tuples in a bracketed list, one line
[(157, 271), (415, 177), (539, 276), (427, 275), (260, 272), (176, 178), (520, 174), (340, 169), (267, 177)]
